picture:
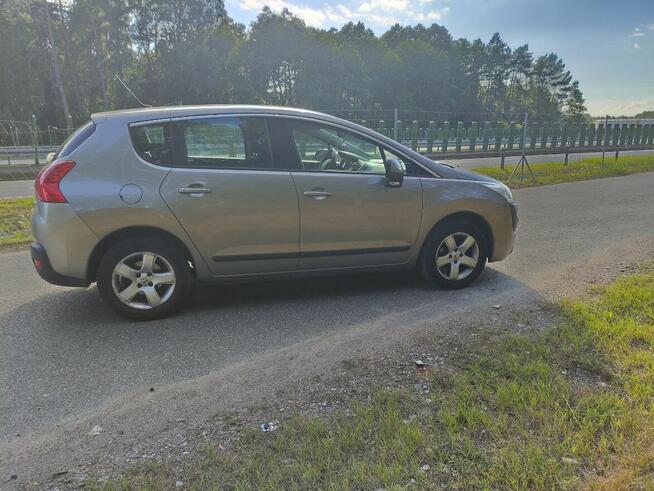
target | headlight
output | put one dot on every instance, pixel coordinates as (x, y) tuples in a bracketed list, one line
[(500, 188)]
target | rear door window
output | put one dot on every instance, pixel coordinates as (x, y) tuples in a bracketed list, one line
[(225, 143), (153, 142)]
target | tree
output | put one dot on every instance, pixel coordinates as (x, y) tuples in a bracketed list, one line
[(24, 67), (422, 78), (435, 35), (59, 59), (41, 13), (549, 87), (494, 72), (574, 104), (520, 65)]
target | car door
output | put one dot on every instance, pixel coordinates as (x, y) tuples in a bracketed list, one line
[(238, 208), (349, 216)]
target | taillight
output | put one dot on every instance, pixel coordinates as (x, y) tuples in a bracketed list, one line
[(47, 182)]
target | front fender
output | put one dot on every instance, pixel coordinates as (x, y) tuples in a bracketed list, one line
[(445, 197)]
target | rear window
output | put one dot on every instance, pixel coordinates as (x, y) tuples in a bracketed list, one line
[(153, 142), (76, 139)]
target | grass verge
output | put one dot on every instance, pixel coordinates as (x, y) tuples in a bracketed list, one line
[(15, 222), (565, 408), (590, 168)]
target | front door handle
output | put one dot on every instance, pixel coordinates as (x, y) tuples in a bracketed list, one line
[(318, 194), (198, 189)]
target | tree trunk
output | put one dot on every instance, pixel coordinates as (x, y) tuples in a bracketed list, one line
[(53, 52), (99, 63), (69, 60)]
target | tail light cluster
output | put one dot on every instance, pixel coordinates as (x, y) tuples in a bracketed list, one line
[(48, 180)]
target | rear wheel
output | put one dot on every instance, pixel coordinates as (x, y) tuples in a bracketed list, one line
[(454, 255), (144, 279)]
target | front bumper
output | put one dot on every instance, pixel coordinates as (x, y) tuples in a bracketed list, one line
[(44, 268)]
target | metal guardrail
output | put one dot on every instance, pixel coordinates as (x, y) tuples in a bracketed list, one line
[(516, 152), (10, 155), (23, 149)]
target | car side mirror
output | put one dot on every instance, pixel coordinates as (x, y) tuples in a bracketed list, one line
[(50, 157), (394, 172)]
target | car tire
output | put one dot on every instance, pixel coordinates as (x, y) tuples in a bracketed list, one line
[(453, 255), (144, 278)]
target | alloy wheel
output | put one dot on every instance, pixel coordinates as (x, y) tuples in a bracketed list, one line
[(143, 280), (457, 256)]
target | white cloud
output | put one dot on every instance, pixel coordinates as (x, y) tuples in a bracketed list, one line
[(382, 20), (651, 27), (636, 46), (313, 17), (344, 10), (377, 13), (383, 5), (637, 33), (387, 12)]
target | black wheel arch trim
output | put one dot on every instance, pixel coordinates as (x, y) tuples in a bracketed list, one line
[(129, 233)]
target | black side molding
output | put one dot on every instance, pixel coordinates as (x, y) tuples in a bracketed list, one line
[(44, 268), (291, 255)]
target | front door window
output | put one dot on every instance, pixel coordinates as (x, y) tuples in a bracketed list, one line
[(327, 148)]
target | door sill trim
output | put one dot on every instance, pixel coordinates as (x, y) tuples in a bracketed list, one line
[(305, 254)]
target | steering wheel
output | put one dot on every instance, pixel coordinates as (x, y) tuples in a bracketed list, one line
[(328, 160), (351, 156)]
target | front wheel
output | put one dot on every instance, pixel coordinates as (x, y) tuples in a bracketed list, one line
[(454, 255), (144, 279)]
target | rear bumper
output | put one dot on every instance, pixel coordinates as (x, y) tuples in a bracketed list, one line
[(44, 268)]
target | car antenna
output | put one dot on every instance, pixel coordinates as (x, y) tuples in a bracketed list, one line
[(143, 104)]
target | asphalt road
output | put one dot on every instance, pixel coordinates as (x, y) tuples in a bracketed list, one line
[(16, 189), (62, 352)]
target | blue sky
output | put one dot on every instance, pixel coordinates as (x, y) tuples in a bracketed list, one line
[(607, 44)]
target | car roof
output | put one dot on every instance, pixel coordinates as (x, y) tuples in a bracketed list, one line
[(154, 113)]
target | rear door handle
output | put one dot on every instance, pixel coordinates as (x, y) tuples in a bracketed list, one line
[(318, 194), (193, 190)]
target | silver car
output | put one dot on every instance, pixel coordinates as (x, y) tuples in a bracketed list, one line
[(146, 202)]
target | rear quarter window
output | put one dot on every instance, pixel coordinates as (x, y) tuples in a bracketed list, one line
[(76, 139), (153, 142)]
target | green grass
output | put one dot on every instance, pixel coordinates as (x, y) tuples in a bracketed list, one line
[(567, 408), (590, 168), (15, 221)]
